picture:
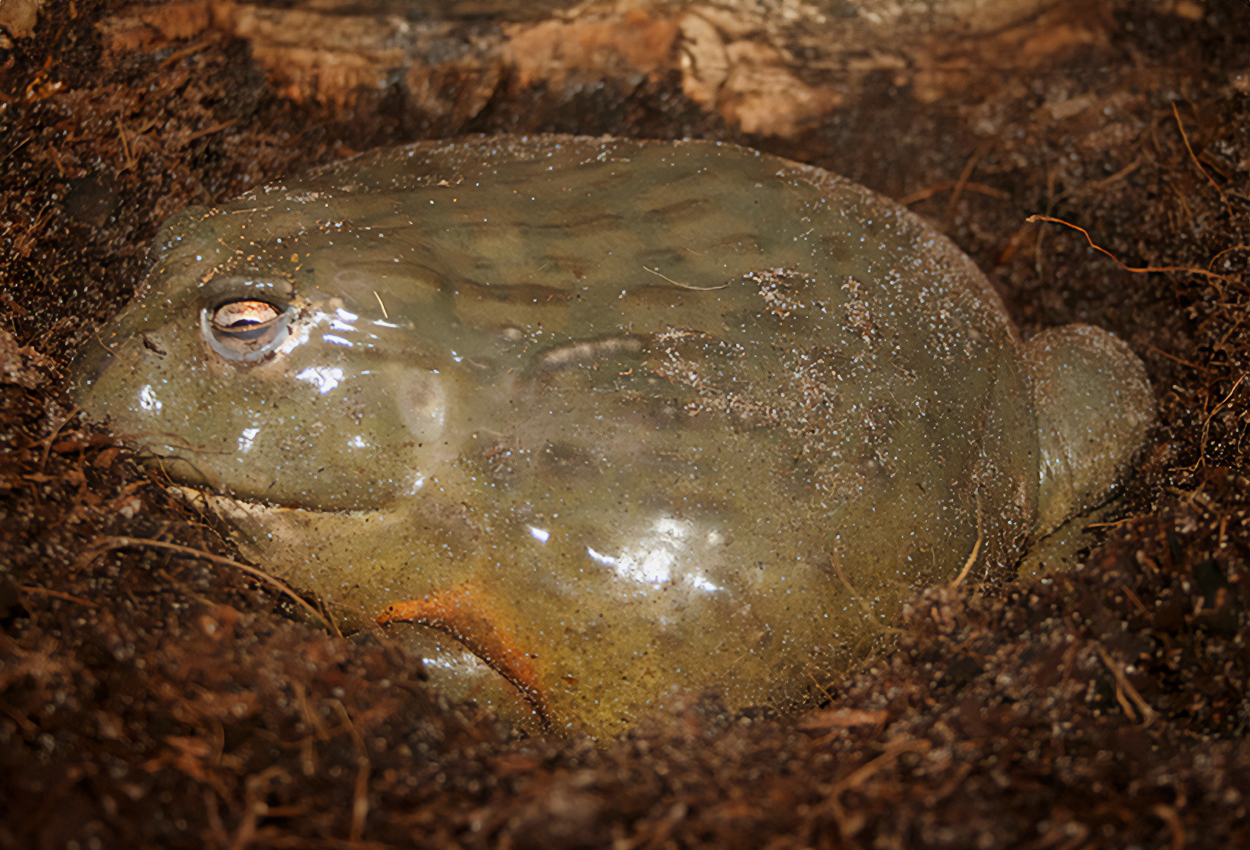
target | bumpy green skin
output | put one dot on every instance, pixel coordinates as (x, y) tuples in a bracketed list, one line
[(692, 418)]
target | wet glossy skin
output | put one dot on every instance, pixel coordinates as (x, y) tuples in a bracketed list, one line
[(618, 420)]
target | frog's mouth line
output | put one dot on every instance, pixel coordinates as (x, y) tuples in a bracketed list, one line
[(465, 614)]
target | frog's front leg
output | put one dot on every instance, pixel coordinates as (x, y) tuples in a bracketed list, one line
[(359, 562), (467, 614)]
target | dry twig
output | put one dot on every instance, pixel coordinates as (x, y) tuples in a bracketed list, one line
[(1127, 695), (360, 796), (1185, 138), (109, 544), (1116, 260), (57, 594)]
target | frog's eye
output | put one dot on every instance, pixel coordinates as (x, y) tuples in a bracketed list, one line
[(245, 330)]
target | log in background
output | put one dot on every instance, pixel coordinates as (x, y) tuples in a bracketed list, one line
[(150, 696)]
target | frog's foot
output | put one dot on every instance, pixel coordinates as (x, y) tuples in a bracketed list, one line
[(1094, 407), (465, 614)]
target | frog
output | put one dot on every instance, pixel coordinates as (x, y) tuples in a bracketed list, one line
[(598, 426)]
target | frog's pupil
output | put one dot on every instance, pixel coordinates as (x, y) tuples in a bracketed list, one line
[(248, 331)]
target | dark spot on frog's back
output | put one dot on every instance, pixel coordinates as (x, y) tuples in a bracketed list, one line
[(572, 264), (514, 293), (679, 212), (584, 227), (662, 259)]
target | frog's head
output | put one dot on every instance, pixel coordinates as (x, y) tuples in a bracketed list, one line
[(230, 375), (1094, 406)]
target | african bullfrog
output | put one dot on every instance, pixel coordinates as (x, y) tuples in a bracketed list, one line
[(596, 423)]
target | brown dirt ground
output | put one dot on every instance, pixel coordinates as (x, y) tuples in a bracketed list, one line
[(149, 698)]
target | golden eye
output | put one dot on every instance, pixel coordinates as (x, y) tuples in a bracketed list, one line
[(245, 330)]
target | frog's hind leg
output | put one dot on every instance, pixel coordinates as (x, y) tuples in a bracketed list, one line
[(1094, 407)]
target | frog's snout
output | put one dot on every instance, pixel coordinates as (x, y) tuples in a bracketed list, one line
[(1094, 408)]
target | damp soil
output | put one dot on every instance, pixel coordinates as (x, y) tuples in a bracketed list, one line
[(154, 694)]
